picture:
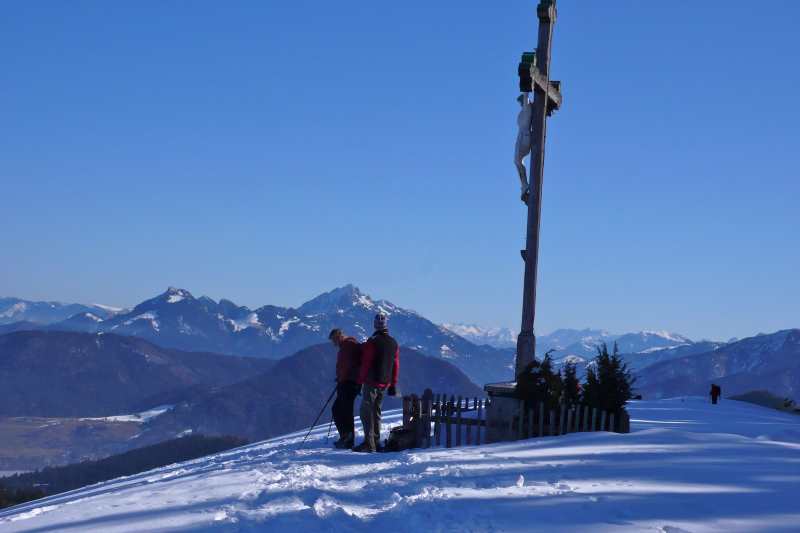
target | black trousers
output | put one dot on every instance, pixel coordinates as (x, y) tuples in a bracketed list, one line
[(342, 409)]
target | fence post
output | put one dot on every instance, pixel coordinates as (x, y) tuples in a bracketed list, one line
[(468, 428), (458, 422), (625, 421), (437, 423), (569, 420), (521, 409), (594, 419), (586, 418), (510, 433), (602, 421), (419, 424), (448, 411), (530, 422), (478, 428), (425, 417), (541, 419)]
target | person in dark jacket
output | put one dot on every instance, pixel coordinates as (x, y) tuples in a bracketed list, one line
[(716, 392), (348, 364), (380, 368)]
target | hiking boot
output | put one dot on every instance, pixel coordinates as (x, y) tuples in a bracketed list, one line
[(364, 447), (345, 442)]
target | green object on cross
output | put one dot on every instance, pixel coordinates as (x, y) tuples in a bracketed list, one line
[(529, 58)]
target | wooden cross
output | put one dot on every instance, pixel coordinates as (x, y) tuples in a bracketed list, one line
[(534, 76)]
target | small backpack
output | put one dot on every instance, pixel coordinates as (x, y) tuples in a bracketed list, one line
[(401, 438)]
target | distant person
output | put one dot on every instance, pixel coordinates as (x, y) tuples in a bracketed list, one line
[(348, 364), (716, 392), (380, 368)]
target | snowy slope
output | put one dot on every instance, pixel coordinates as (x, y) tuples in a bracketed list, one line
[(687, 466)]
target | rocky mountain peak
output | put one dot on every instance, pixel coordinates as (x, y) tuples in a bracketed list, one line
[(175, 295), (341, 298)]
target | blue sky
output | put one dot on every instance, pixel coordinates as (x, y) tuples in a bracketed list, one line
[(268, 151)]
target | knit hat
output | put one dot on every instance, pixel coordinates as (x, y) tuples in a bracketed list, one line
[(381, 322)]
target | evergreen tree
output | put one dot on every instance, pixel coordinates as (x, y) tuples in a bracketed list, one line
[(540, 383), (571, 384), (608, 381), (550, 382), (590, 393)]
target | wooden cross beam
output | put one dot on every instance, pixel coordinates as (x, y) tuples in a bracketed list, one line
[(531, 79)]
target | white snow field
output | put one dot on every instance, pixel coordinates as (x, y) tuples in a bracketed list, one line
[(686, 466)]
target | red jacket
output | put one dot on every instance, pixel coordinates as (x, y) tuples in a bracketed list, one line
[(369, 355), (348, 361)]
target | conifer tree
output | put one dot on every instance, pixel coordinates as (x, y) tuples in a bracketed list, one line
[(608, 381), (571, 384), (550, 382), (590, 393), (540, 383)]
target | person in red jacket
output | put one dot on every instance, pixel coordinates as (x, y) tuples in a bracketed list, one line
[(380, 368), (348, 364)]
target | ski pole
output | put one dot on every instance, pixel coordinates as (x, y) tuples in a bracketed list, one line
[(328, 436), (318, 417)]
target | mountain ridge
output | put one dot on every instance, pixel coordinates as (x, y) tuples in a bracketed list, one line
[(766, 361), (176, 319)]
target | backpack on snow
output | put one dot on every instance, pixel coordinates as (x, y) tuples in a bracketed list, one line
[(401, 438)]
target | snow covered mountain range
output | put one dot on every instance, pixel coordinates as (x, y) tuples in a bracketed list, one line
[(497, 337), (177, 319), (580, 345), (767, 361), (575, 343), (17, 310), (687, 465)]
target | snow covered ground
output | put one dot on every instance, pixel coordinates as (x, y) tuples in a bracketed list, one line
[(687, 466)]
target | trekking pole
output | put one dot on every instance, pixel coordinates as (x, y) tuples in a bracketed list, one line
[(328, 436), (318, 417)]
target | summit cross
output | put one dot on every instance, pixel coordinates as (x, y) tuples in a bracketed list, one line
[(534, 76)]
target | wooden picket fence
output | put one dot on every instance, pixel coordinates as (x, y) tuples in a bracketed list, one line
[(442, 421), (538, 421)]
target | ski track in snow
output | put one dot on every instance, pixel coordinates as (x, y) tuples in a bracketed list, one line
[(687, 466)]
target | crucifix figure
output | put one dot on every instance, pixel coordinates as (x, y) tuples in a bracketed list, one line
[(522, 148), (534, 77)]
